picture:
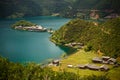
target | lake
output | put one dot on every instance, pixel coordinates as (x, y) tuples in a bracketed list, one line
[(23, 46)]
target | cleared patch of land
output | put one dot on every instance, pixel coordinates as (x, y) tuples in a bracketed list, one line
[(82, 57)]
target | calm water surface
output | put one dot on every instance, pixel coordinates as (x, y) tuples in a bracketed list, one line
[(22, 46)]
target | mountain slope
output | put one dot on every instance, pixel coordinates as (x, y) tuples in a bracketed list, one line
[(67, 8), (19, 8), (104, 37)]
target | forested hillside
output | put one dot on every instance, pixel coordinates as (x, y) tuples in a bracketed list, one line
[(104, 37), (23, 8), (19, 8), (66, 8)]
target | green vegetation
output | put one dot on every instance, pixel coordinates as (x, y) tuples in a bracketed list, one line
[(23, 23), (66, 8), (32, 71), (104, 37), (82, 57), (110, 37), (28, 26)]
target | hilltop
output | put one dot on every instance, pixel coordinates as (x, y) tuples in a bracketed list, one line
[(103, 37)]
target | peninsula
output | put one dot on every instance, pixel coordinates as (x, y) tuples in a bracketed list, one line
[(28, 26)]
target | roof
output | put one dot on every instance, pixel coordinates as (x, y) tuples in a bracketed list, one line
[(104, 67), (81, 66), (105, 62), (97, 59), (105, 57), (70, 66), (55, 61), (112, 60), (92, 66)]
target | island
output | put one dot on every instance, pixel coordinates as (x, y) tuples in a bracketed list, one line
[(28, 26)]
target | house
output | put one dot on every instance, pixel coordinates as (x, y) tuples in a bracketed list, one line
[(69, 45), (97, 60), (92, 67), (112, 61), (104, 68), (79, 47), (105, 58), (81, 66), (105, 62), (55, 14), (56, 62), (69, 66), (75, 45)]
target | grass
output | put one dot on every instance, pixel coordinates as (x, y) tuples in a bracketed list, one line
[(114, 74), (82, 57)]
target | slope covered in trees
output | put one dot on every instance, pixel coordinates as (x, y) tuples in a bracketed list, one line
[(19, 8), (23, 23), (104, 37), (67, 8)]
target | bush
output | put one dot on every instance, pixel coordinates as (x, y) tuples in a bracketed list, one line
[(88, 48)]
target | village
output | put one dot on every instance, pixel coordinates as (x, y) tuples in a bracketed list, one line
[(31, 28), (75, 45), (105, 61), (97, 63)]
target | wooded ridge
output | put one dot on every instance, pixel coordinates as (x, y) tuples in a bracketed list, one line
[(103, 36)]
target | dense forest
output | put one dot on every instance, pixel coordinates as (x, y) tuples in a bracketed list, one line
[(66, 8), (102, 36), (23, 23)]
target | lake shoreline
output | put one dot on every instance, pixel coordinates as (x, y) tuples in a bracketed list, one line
[(24, 46)]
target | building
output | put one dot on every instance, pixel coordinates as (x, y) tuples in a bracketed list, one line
[(113, 15), (112, 61), (92, 67), (56, 62), (97, 60), (81, 66), (104, 68), (70, 66), (105, 58)]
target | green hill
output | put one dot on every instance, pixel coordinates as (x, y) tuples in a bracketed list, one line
[(104, 37), (23, 23), (66, 8)]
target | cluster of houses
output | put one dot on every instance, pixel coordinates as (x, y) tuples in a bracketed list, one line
[(80, 66), (103, 60), (75, 45), (94, 67), (31, 28)]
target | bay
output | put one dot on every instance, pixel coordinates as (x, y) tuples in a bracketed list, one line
[(23, 46)]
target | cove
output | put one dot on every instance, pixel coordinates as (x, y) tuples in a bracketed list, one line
[(23, 46)]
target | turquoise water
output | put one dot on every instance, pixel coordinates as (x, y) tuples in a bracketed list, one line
[(22, 46)]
